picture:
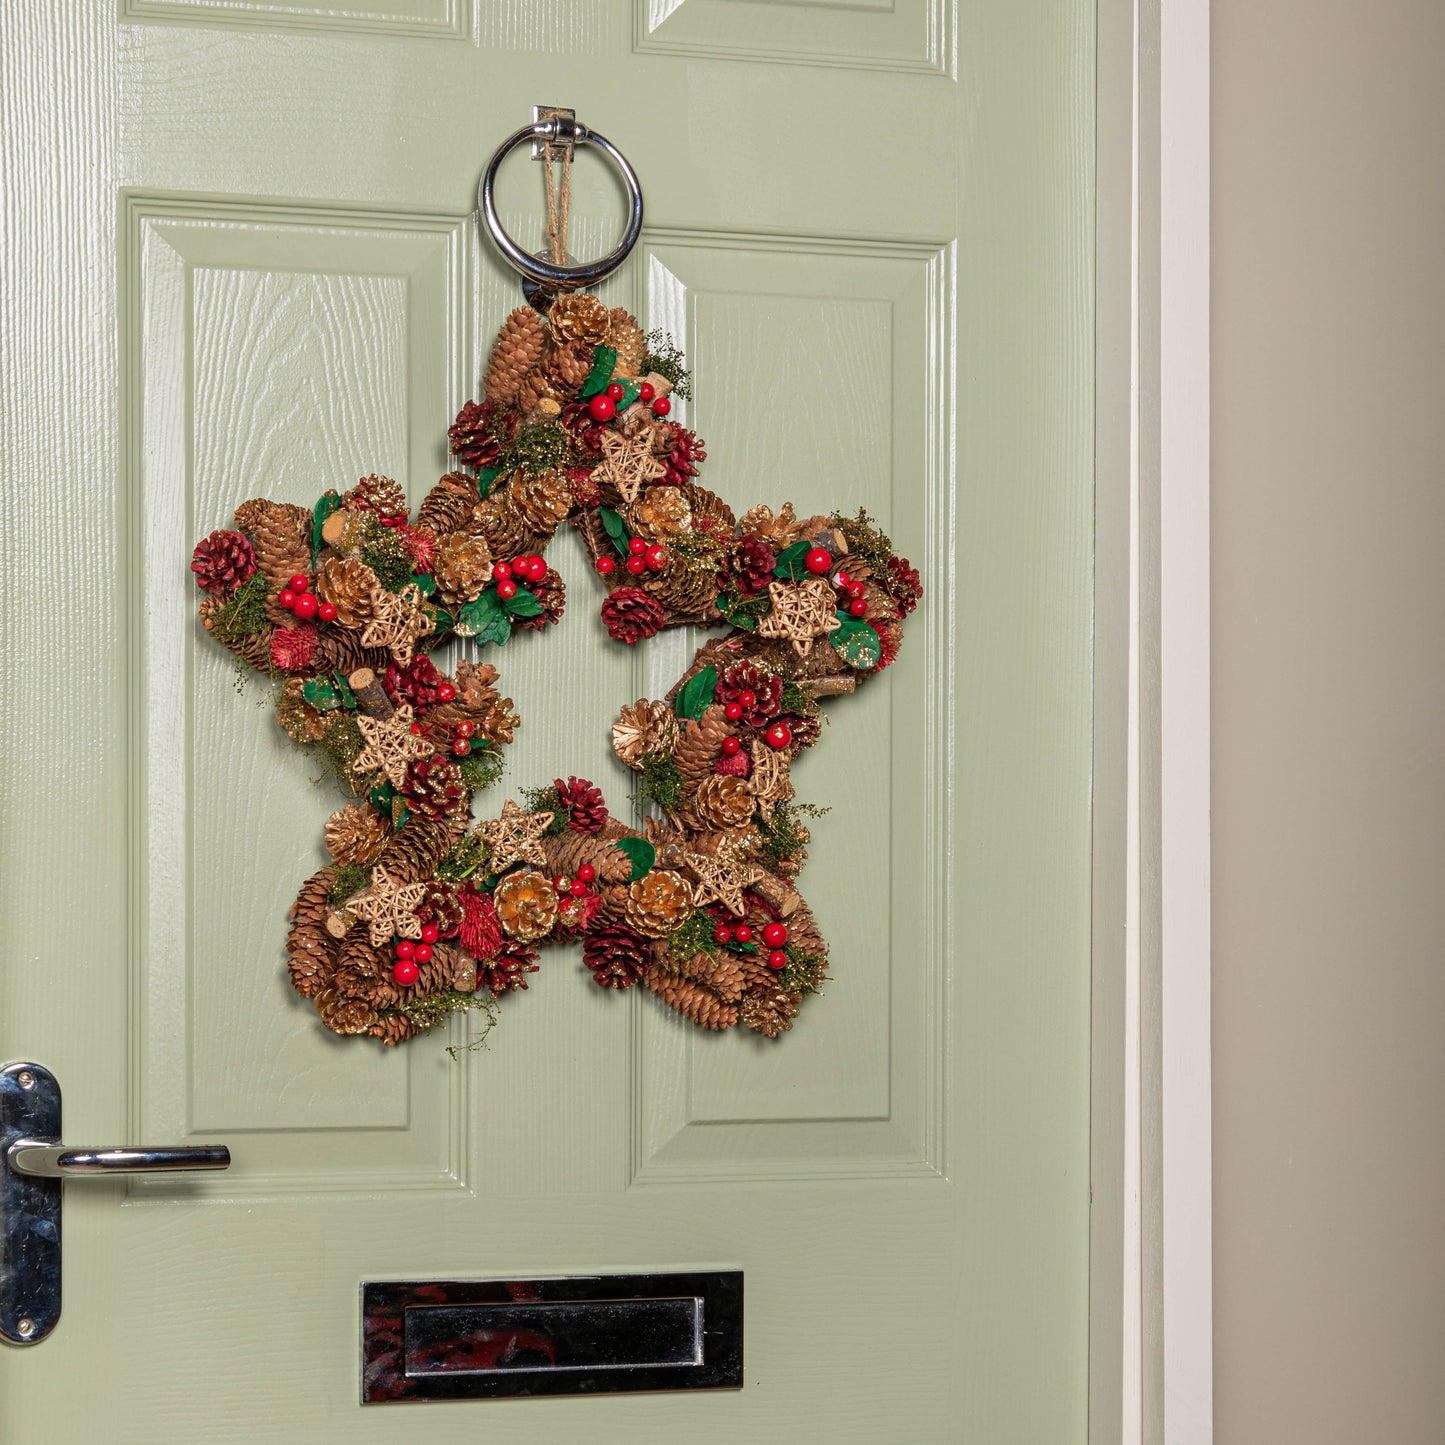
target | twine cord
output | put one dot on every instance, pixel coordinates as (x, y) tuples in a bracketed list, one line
[(559, 206)]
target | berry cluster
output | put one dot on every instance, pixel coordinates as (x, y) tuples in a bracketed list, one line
[(409, 955), (298, 597), (603, 406)]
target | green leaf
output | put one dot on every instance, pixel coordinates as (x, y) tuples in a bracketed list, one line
[(328, 693), (328, 504), (604, 361), (630, 391), (523, 604), (476, 617), (642, 854), (696, 697), (381, 798), (616, 529), (790, 562), (426, 584), (445, 622), (856, 643), (487, 479)]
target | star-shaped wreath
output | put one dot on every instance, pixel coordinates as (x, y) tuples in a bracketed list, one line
[(389, 906), (627, 458), (390, 745), (515, 837), (721, 878), (801, 612), (397, 621)]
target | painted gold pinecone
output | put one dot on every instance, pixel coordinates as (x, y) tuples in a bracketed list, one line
[(645, 727), (356, 834), (659, 902), (540, 385), (627, 336), (691, 999), (302, 722), (770, 1011), (343, 1014), (700, 745), (382, 495), (710, 509), (515, 352), (462, 567), (659, 513), (526, 904), (578, 319), (449, 505), (282, 540), (347, 584), (542, 499), (722, 801)]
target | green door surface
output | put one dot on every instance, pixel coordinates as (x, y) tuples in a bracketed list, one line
[(241, 258)]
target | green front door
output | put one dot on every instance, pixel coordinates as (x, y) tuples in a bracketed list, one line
[(242, 260)]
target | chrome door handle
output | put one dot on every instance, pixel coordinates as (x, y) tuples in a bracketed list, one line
[(34, 1166), (44, 1160)]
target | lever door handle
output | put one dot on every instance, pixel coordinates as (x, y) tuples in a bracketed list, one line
[(34, 1166), (45, 1160)]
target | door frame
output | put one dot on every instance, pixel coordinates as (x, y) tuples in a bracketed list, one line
[(1151, 1290)]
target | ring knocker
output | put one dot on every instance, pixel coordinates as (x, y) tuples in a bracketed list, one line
[(543, 279)]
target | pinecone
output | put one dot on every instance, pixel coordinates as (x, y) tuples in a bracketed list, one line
[(645, 727), (630, 615), (770, 1012), (254, 650), (480, 933), (347, 585), (904, 584), (462, 567), (393, 1029), (551, 591), (249, 514), (343, 1014), (569, 366), (517, 349), (686, 587), (301, 722), (617, 955), (433, 787), (778, 531), (356, 834), (378, 494), (700, 745), (416, 683), (722, 801), (479, 433), (293, 648), (474, 683), (748, 567), (449, 505), (526, 904), (537, 386), (222, 562), (682, 453), (583, 804), (507, 971), (282, 541), (441, 906), (586, 431), (659, 902), (413, 853), (344, 653), (580, 319), (747, 676), (660, 513), (710, 514), (496, 720), (693, 1000), (502, 525), (541, 499), (627, 336), (310, 950), (721, 973), (568, 851)]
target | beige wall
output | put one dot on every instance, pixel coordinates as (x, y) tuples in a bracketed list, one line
[(1329, 720)]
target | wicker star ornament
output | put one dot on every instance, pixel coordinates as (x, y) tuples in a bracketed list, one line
[(390, 745), (397, 622), (721, 878), (515, 837), (389, 906), (627, 458), (801, 612)]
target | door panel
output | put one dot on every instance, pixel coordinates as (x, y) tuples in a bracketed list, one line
[(242, 260)]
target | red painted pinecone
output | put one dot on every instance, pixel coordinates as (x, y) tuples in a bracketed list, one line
[(583, 804), (631, 614), (617, 955), (586, 431), (416, 684), (748, 568), (481, 930), (292, 648), (682, 453), (805, 730), (479, 433), (379, 494), (440, 905), (551, 592), (434, 786), (222, 562), (766, 688), (904, 584), (509, 970)]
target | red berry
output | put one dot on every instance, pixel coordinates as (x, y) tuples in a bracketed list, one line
[(461, 747), (637, 547), (606, 566), (645, 392), (843, 579), (445, 692), (775, 935), (300, 583), (853, 589), (423, 953), (405, 948), (777, 959), (501, 571), (537, 570), (661, 406), (602, 407), (743, 933), (780, 735), (857, 607), (306, 605), (636, 565), (818, 560), (731, 746), (430, 933), (733, 711), (287, 598), (405, 972), (578, 890), (506, 588), (615, 390), (656, 558), (747, 699), (586, 872), (466, 727), (416, 729), (562, 884), (722, 934), (326, 612)]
